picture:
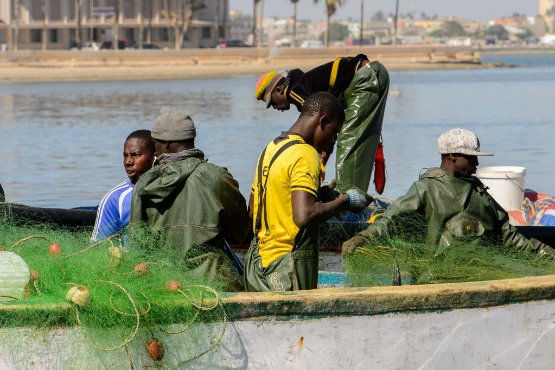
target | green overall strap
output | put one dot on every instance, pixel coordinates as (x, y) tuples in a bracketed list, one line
[(262, 188)]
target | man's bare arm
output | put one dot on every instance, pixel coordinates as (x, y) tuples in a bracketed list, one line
[(307, 211)]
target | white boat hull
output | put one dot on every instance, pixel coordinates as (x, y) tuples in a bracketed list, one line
[(498, 324)]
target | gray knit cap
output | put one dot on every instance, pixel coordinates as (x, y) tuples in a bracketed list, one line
[(173, 125)]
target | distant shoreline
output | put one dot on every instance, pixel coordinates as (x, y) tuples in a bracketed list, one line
[(517, 51), (122, 73), (52, 66)]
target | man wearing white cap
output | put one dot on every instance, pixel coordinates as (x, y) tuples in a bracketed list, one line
[(451, 202)]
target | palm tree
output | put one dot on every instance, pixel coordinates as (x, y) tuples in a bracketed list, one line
[(261, 36), (294, 22), (395, 22), (254, 18), (331, 7), (361, 21)]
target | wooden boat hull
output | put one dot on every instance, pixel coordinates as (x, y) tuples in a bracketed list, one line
[(504, 324)]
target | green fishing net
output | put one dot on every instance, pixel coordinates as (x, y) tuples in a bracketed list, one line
[(127, 297), (408, 259)]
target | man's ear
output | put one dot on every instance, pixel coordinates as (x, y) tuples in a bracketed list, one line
[(324, 120)]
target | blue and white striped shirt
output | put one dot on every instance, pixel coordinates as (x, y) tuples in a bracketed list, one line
[(113, 212)]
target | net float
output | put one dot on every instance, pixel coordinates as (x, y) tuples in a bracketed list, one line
[(79, 295), (155, 349), (54, 249)]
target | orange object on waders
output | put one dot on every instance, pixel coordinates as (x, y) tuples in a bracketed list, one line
[(379, 168)]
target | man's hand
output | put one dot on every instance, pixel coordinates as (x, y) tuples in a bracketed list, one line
[(358, 199), (350, 245), (327, 193)]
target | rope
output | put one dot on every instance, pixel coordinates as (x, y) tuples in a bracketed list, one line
[(199, 305), (129, 357), (129, 339), (179, 331), (109, 239), (29, 238), (126, 313), (37, 288), (9, 296), (214, 344)]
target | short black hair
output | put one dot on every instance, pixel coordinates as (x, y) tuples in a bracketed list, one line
[(323, 103), (145, 135)]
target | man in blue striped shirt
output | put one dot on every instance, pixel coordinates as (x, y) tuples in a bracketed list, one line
[(113, 212)]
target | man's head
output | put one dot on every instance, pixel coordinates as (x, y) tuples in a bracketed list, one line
[(173, 131), (271, 89), (320, 120), (138, 154), (459, 149)]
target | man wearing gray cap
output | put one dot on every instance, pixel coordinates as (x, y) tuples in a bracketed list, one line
[(451, 202), (195, 202)]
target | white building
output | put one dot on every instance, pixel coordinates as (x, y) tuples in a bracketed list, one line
[(60, 24)]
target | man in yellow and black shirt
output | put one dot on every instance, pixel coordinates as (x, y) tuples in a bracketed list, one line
[(285, 210), (361, 86)]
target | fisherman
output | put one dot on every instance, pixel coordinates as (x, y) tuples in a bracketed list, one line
[(112, 215), (362, 87), (286, 213), (198, 204), (454, 204)]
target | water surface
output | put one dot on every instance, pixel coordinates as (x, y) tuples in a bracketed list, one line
[(61, 143)]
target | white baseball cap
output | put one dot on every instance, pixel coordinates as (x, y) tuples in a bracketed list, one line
[(459, 141)]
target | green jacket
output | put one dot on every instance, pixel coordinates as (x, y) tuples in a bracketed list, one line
[(454, 210), (197, 203)]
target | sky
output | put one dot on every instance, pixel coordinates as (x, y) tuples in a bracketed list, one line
[(472, 10)]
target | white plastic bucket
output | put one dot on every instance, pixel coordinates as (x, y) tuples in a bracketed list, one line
[(505, 183)]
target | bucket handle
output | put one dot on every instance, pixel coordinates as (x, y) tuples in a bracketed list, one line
[(514, 183)]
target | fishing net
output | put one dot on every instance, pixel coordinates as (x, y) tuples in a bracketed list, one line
[(408, 259), (129, 297)]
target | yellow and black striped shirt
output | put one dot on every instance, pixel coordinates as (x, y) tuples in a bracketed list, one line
[(333, 77)]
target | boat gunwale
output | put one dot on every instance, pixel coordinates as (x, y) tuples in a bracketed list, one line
[(348, 301), (388, 299)]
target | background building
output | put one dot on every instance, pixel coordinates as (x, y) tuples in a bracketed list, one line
[(547, 11), (62, 24)]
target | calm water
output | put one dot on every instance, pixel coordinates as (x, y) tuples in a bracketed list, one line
[(61, 143)]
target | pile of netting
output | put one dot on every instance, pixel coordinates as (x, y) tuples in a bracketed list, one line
[(408, 259), (130, 298)]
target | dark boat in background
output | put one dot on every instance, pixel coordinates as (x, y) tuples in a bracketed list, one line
[(85, 217)]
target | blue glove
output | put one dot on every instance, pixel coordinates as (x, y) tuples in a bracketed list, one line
[(358, 200)]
